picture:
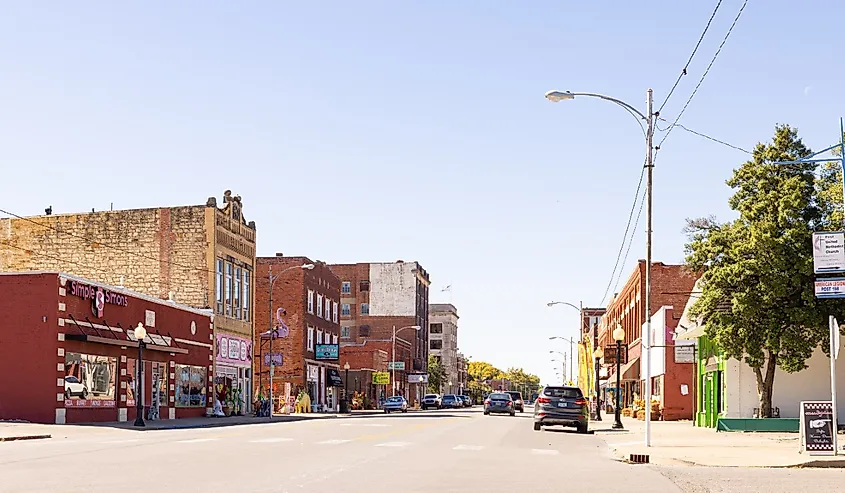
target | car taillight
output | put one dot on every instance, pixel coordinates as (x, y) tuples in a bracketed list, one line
[(544, 400), (510, 403), (487, 402), (580, 402)]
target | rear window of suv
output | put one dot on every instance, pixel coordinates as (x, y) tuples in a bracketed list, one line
[(563, 392), (504, 397), (515, 395), (430, 396)]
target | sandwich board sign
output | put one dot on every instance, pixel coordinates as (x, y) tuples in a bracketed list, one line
[(817, 428)]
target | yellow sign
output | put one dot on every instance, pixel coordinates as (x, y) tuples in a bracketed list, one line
[(381, 378)]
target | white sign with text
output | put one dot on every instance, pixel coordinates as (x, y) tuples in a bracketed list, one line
[(829, 252)]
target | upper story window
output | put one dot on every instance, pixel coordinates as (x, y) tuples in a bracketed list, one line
[(334, 311), (219, 287), (365, 308), (328, 309), (236, 304), (334, 339), (229, 290), (247, 297), (319, 336), (345, 310), (436, 344), (311, 338), (310, 301), (346, 287), (364, 286), (344, 332), (436, 328), (319, 305)]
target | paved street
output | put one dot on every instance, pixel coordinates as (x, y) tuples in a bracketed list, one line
[(417, 452)]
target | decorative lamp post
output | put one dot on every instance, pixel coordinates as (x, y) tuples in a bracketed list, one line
[(618, 336), (346, 385), (140, 335), (598, 354)]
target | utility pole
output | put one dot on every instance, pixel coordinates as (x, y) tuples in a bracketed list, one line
[(646, 338)]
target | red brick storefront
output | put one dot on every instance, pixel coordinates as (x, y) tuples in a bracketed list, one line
[(68, 353)]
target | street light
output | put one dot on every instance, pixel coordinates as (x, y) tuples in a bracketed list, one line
[(555, 96), (618, 336), (272, 280), (346, 385), (393, 357), (598, 354), (580, 324), (140, 335)]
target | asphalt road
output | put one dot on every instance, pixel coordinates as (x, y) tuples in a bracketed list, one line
[(444, 451)]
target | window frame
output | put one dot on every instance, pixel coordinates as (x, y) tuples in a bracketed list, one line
[(310, 339), (346, 332), (334, 311), (365, 308), (246, 300), (319, 305), (347, 311), (220, 267), (346, 287), (236, 299), (227, 295), (311, 301)]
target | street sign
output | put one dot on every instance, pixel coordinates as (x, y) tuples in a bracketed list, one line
[(817, 427), (276, 358), (396, 365), (323, 352), (831, 287), (418, 378), (381, 378), (684, 353), (829, 252)]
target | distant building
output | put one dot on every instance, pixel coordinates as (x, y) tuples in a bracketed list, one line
[(202, 256), (375, 299), (463, 374), (310, 299), (443, 342)]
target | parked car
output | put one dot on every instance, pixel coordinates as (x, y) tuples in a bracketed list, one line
[(517, 401), (564, 406), (395, 403), (451, 401), (467, 400), (73, 387), (499, 403), (431, 401)]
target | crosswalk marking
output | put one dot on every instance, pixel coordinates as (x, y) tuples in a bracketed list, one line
[(332, 442), (271, 440), (468, 447), (542, 451), (393, 444), (197, 440)]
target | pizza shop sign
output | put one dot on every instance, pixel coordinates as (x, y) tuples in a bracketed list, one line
[(99, 297)]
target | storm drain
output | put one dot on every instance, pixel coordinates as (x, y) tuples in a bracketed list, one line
[(638, 459)]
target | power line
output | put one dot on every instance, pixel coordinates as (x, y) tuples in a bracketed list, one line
[(694, 50), (119, 249), (630, 242), (625, 235), (714, 139), (704, 75)]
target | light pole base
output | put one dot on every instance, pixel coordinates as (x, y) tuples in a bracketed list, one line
[(139, 421), (617, 426)]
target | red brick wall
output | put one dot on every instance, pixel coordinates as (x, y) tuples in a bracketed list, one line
[(290, 292), (676, 405)]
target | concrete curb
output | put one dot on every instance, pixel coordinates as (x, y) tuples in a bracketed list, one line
[(24, 437), (811, 464)]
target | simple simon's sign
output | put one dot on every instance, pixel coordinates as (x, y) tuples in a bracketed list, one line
[(99, 297)]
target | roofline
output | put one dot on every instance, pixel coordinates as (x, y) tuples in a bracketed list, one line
[(135, 294)]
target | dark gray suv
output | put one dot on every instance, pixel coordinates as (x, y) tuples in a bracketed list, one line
[(563, 406)]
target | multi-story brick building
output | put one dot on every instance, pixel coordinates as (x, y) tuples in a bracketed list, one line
[(364, 359), (443, 342), (671, 286), (377, 298), (310, 299), (201, 256)]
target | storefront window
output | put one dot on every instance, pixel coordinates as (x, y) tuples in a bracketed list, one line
[(247, 298), (219, 287), (89, 380), (190, 386)]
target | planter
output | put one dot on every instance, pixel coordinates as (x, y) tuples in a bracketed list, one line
[(627, 412), (654, 415)]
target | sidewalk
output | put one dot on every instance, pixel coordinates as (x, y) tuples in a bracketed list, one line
[(681, 443)]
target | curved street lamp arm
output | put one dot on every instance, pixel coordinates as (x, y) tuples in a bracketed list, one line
[(552, 303), (612, 100)]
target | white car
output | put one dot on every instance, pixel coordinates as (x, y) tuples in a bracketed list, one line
[(73, 387)]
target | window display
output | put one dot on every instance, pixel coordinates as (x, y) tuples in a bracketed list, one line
[(190, 386), (159, 375), (89, 380)]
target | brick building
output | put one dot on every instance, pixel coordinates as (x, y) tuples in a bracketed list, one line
[(671, 286), (378, 297), (310, 299), (68, 349), (201, 256), (364, 359), (443, 342)]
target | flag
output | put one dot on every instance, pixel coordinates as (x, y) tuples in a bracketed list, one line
[(447, 288)]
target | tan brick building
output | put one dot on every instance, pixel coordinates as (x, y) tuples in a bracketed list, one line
[(201, 256), (310, 299)]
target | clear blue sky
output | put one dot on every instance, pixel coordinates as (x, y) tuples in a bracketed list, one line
[(411, 130)]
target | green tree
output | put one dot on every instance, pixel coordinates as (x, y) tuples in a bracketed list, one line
[(757, 271), (481, 371), (522, 381), (436, 374)]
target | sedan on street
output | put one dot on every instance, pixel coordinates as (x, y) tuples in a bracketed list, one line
[(563, 406), (396, 403), (499, 403)]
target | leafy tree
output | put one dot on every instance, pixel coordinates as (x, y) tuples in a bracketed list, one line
[(481, 371), (521, 380), (757, 271), (436, 374)]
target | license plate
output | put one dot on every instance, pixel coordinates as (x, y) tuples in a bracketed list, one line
[(561, 404)]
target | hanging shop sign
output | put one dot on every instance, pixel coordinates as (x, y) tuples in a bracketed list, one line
[(817, 427), (275, 358), (684, 353), (326, 352), (610, 355), (418, 378), (233, 350), (381, 378)]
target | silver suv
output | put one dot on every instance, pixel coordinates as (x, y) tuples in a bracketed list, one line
[(431, 401)]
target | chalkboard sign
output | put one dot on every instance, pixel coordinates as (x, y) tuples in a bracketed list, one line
[(817, 427)]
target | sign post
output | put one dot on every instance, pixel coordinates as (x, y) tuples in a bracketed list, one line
[(834, 353)]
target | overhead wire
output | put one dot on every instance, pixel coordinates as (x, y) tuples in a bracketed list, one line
[(703, 75), (692, 55)]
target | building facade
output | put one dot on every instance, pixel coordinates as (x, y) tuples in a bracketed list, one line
[(202, 256), (365, 359), (671, 286), (463, 374), (70, 344), (309, 300), (378, 298), (443, 343)]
